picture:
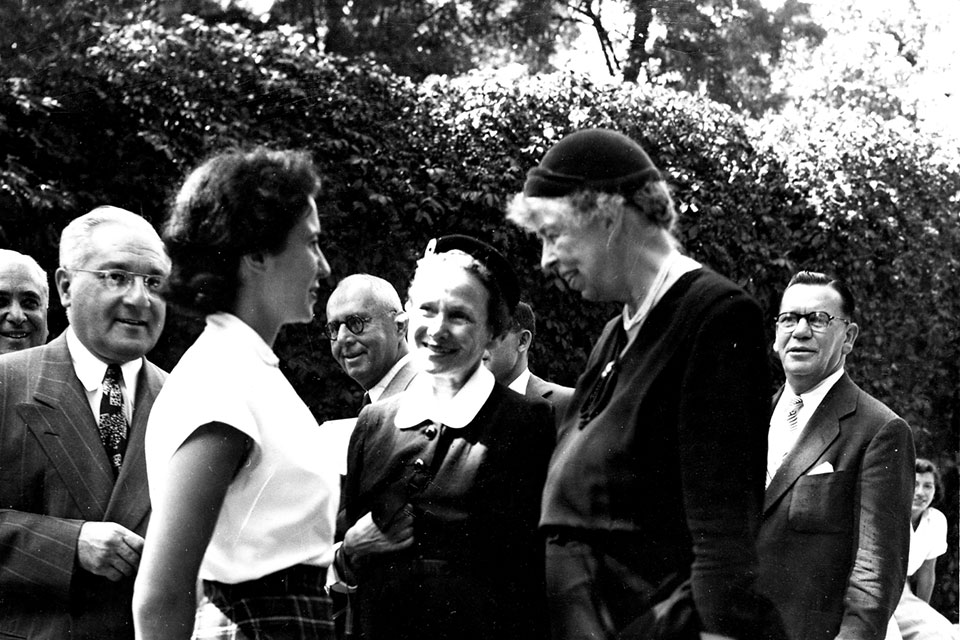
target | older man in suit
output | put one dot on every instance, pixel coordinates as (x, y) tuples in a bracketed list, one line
[(508, 360), (835, 534), (368, 335), (24, 298), (73, 489), (368, 339)]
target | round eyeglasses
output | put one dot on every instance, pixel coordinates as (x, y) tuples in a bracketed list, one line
[(355, 325), (816, 320)]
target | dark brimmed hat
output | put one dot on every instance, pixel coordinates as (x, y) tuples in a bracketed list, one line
[(486, 255), (598, 159)]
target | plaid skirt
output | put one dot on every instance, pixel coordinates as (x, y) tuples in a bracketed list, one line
[(291, 604)]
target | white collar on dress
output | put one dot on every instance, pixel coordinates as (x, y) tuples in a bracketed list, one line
[(419, 405), (240, 331)]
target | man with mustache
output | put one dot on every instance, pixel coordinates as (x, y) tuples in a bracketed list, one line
[(835, 534)]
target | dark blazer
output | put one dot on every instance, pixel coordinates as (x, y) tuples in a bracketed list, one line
[(557, 395), (475, 569), (54, 476), (833, 547)]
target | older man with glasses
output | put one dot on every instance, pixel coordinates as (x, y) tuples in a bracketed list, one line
[(368, 339), (73, 489), (835, 533), (368, 335)]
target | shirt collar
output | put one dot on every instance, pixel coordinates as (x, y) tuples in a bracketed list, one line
[(240, 332), (90, 369), (377, 390), (419, 405), (519, 383), (813, 397)]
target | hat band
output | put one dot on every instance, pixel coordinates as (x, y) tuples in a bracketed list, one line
[(543, 183)]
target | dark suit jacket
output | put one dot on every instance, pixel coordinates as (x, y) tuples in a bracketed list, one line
[(54, 476), (475, 569), (833, 547), (557, 395)]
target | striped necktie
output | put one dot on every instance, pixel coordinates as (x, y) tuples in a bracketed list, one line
[(788, 433), (113, 422), (795, 407)]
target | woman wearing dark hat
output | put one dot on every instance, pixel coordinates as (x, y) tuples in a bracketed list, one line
[(654, 490), (444, 480)]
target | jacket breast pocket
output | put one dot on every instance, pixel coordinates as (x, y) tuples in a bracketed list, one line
[(822, 503)]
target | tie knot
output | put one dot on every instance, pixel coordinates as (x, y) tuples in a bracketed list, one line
[(113, 374), (796, 404)]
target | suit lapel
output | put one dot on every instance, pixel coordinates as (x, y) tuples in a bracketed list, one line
[(821, 431), (130, 501), (537, 388), (400, 381), (61, 420)]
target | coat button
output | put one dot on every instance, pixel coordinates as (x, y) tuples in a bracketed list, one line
[(430, 432), (419, 463)]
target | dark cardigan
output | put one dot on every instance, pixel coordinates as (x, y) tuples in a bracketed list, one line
[(675, 461)]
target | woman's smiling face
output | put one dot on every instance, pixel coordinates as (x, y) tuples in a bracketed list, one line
[(449, 324)]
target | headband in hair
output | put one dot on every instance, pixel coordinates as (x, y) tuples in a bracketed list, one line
[(486, 255)]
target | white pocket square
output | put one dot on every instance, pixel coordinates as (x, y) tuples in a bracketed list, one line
[(823, 467)]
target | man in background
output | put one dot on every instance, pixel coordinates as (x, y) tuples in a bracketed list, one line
[(74, 504), (368, 335), (368, 339), (508, 359), (24, 299), (835, 534)]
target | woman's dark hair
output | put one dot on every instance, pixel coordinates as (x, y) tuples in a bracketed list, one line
[(922, 465), (235, 203)]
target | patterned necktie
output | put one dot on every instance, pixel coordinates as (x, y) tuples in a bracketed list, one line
[(113, 422), (775, 458), (795, 407)]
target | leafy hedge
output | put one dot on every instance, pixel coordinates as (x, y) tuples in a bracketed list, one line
[(122, 122)]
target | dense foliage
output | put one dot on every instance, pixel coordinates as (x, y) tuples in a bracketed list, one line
[(121, 121)]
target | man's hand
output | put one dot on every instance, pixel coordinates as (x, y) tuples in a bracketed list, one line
[(365, 538), (109, 550)]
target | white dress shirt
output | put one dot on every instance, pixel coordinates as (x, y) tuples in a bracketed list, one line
[(519, 383), (90, 370), (780, 438)]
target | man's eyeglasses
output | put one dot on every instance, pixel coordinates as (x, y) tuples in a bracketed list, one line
[(120, 281), (355, 324), (816, 320)]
